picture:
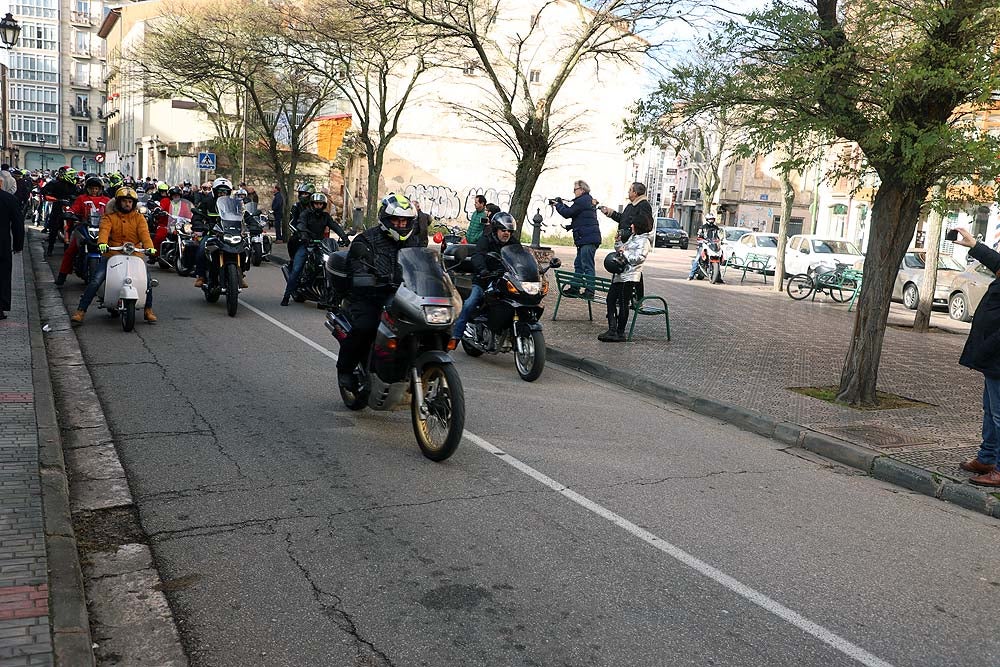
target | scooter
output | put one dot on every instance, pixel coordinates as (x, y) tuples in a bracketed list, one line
[(124, 284)]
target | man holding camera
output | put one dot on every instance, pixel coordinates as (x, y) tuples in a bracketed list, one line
[(982, 353), (582, 215)]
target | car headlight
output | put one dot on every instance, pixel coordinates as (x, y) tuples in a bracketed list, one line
[(531, 288), (232, 238), (437, 314)]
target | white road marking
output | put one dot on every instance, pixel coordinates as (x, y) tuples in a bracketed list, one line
[(826, 636)]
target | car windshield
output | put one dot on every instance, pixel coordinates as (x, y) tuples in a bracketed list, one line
[(736, 234), (663, 224), (767, 241), (831, 247), (913, 260)]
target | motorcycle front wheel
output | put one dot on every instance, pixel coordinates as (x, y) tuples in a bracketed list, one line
[(232, 289), (256, 258), (716, 273), (179, 266), (127, 315), (440, 421), (529, 355), (470, 350)]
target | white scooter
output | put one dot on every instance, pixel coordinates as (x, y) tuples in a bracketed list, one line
[(124, 284)]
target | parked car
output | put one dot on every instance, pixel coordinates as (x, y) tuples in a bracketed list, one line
[(967, 290), (910, 277), (806, 251), (755, 243), (669, 233), (731, 236)]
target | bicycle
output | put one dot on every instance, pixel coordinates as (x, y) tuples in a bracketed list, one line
[(842, 283)]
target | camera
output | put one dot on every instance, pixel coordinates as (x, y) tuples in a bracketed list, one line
[(951, 235), (555, 200)]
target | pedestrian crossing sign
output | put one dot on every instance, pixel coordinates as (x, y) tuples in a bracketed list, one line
[(206, 161)]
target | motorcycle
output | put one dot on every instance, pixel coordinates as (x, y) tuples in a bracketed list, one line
[(124, 284), (710, 261), (409, 362), (178, 233), (158, 222), (86, 233), (258, 242), (509, 318), (314, 284), (446, 236), (227, 254)]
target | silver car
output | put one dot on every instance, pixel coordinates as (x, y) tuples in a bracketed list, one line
[(910, 277), (967, 290)]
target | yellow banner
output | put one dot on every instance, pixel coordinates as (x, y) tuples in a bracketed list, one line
[(330, 135)]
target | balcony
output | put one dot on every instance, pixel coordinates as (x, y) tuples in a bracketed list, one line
[(79, 112), (81, 52), (81, 18), (78, 81)]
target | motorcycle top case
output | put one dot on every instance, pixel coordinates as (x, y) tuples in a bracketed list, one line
[(457, 257)]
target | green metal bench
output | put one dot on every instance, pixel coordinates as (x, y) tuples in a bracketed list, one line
[(600, 286), (755, 263)]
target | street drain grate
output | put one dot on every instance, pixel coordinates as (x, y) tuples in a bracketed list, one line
[(879, 436)]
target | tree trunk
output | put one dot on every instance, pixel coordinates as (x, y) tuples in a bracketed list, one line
[(787, 202), (922, 320), (529, 169), (374, 172), (894, 217)]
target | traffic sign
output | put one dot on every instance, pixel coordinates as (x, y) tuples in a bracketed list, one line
[(99, 158), (206, 161)]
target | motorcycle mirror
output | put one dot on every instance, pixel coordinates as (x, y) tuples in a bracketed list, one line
[(439, 237)]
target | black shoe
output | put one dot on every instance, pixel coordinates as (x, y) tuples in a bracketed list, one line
[(616, 337), (61, 279), (3, 315), (284, 301), (606, 336)]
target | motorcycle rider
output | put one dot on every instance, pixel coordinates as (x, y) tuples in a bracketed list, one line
[(94, 195), (204, 217), (502, 228), (310, 226), (305, 193), (709, 231), (115, 181), (62, 187), (372, 269), (124, 225)]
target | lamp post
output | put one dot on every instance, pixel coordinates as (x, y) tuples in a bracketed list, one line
[(9, 31), (41, 142)]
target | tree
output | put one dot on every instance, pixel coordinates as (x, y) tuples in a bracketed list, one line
[(902, 81), (707, 139), (533, 124)]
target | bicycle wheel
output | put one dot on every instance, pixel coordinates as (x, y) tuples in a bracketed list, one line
[(799, 286), (844, 291)]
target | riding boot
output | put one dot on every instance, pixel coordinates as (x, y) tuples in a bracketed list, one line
[(609, 334)]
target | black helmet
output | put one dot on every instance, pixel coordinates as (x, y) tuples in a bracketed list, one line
[(94, 182), (396, 206), (615, 263), (502, 221), (173, 191), (318, 197)]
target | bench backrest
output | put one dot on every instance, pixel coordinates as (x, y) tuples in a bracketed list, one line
[(599, 283), (766, 260)]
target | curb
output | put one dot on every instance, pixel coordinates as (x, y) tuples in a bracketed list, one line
[(70, 621), (869, 461)]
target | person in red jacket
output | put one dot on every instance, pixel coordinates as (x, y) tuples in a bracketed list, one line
[(94, 195)]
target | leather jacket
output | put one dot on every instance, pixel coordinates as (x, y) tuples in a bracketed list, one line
[(373, 255)]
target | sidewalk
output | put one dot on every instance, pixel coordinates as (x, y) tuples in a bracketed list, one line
[(736, 351)]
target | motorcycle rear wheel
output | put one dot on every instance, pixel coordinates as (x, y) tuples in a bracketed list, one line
[(355, 400), (531, 363), (470, 350), (440, 430), (232, 289)]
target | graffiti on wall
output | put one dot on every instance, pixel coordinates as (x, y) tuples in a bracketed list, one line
[(443, 202)]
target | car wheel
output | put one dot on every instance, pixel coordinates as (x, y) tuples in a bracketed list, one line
[(958, 307), (683, 246), (911, 297)]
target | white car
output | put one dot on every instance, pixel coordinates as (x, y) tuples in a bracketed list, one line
[(755, 243), (730, 236), (806, 251)]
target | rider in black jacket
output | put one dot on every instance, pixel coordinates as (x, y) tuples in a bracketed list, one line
[(311, 226), (62, 188), (374, 277), (501, 234)]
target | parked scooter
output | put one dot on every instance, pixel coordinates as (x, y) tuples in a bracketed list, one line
[(124, 284), (509, 318), (227, 254), (409, 362)]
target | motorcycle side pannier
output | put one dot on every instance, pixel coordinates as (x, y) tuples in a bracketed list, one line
[(336, 266)]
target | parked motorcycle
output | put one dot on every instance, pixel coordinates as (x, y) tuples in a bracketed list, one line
[(124, 284), (509, 318), (86, 233), (227, 254), (409, 361), (314, 284), (710, 261), (258, 242)]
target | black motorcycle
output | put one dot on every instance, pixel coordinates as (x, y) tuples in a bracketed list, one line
[(86, 233), (409, 361), (314, 283), (258, 242), (509, 318), (227, 254)]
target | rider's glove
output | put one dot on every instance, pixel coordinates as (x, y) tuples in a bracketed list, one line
[(150, 251), (103, 247)]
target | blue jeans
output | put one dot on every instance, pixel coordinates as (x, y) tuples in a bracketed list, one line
[(468, 309), (298, 263), (584, 262), (694, 267), (989, 451), (97, 280)]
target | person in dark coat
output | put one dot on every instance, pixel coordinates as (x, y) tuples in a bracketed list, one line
[(586, 230), (11, 243), (982, 353), (278, 209), (423, 223)]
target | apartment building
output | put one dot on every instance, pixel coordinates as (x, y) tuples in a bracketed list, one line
[(54, 84)]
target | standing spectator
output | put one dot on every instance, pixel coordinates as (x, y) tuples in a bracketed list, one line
[(278, 210), (982, 353), (623, 284), (11, 242), (252, 193), (586, 232), (477, 221), (423, 223), (638, 208)]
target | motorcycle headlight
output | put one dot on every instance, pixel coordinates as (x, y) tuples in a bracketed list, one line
[(437, 314), (326, 257), (532, 288), (232, 238)]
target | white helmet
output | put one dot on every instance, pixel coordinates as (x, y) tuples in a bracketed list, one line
[(397, 206), (222, 183)]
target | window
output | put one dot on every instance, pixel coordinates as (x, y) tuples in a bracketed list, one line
[(81, 135), (45, 9), (747, 239), (29, 97), (81, 42), (82, 6), (81, 74), (33, 68), (535, 76), (469, 68), (38, 36), (82, 102), (30, 129)]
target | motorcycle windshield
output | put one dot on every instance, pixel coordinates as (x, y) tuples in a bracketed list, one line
[(422, 272), (520, 262), (230, 211)]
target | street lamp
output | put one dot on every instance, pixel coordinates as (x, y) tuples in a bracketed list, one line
[(41, 142), (9, 31)]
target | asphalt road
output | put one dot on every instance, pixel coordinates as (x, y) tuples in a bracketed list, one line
[(578, 524)]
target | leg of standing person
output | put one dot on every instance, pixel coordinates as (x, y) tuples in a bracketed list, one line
[(624, 308), (587, 253), (66, 267), (6, 275), (612, 304), (989, 450)]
